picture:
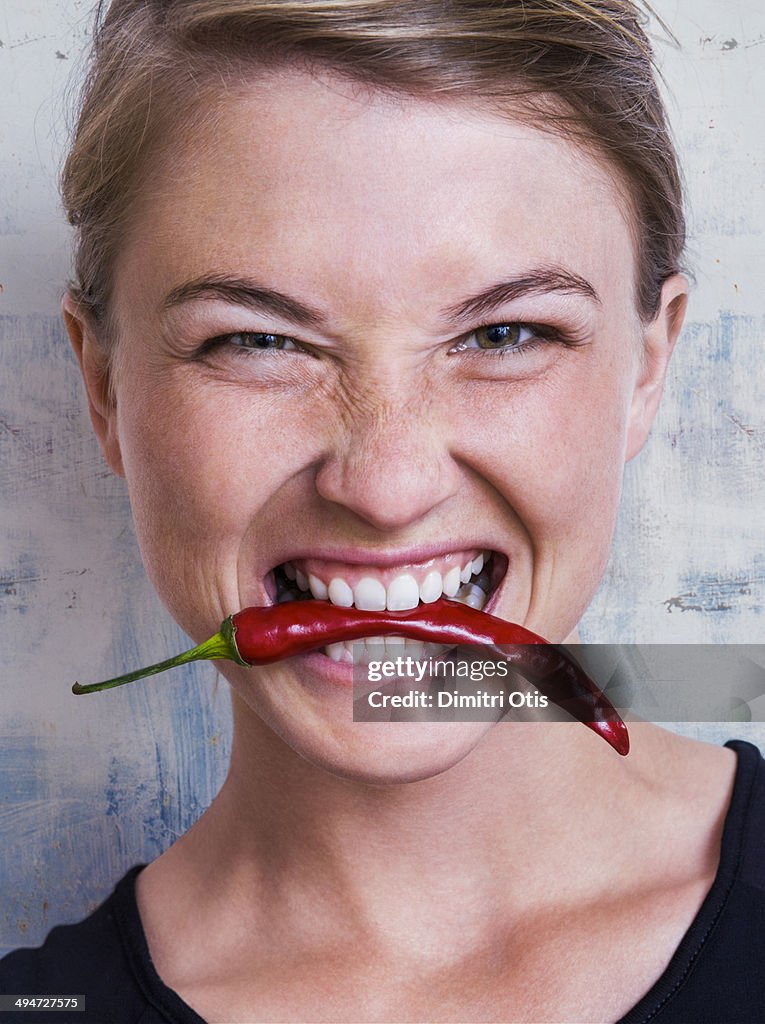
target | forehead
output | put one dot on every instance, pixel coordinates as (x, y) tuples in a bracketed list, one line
[(367, 198)]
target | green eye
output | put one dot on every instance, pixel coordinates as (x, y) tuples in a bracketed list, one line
[(506, 338), (256, 340), (499, 336)]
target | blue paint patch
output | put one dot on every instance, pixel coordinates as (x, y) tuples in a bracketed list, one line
[(10, 226), (711, 594), (19, 583), (114, 794), (23, 769), (727, 329)]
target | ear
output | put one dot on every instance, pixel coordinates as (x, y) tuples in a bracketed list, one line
[(94, 365), (659, 339)]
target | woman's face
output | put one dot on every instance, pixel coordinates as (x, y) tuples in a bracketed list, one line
[(363, 339)]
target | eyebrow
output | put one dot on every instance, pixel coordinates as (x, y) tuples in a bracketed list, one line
[(245, 292), (538, 281)]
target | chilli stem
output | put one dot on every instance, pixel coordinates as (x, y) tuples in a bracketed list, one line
[(221, 645)]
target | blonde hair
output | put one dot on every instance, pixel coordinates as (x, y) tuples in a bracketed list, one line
[(582, 68)]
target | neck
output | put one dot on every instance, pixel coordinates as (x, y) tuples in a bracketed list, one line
[(481, 840)]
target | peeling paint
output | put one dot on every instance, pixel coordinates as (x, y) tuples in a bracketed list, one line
[(711, 595), (26, 41), (749, 431)]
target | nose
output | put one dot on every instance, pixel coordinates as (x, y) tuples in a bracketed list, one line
[(390, 463)]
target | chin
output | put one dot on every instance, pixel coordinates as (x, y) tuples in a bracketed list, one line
[(392, 753)]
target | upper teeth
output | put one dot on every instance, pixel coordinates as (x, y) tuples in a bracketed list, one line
[(403, 591), (318, 588)]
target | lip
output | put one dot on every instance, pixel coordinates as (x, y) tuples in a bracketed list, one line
[(332, 674), (385, 558)]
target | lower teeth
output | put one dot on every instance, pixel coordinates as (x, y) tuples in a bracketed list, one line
[(379, 648), (471, 594)]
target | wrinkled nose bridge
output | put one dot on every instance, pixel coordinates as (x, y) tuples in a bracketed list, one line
[(387, 433), (384, 419), (389, 462)]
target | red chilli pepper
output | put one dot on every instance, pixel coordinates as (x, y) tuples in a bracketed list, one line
[(259, 636)]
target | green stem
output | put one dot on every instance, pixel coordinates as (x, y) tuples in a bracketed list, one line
[(222, 645)]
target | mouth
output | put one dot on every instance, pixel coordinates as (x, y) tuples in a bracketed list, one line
[(470, 576)]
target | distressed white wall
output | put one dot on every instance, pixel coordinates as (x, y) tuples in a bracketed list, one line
[(88, 788)]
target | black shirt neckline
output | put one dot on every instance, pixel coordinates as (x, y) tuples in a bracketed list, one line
[(136, 949), (731, 847), (176, 1011)]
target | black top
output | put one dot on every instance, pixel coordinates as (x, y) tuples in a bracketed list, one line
[(717, 975)]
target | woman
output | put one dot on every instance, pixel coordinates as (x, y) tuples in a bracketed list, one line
[(366, 293)]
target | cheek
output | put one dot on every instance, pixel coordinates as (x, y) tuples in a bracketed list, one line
[(581, 468), (205, 457), (555, 455), (202, 464), (555, 451), (178, 463)]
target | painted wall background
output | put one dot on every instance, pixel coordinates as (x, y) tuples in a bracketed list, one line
[(88, 788)]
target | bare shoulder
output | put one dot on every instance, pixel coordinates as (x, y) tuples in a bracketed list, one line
[(656, 870), (679, 794), (692, 778)]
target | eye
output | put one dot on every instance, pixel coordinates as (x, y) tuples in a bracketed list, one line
[(258, 341), (499, 337)]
